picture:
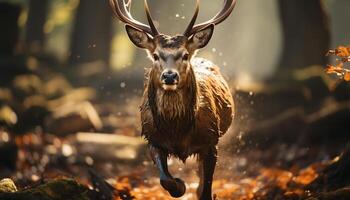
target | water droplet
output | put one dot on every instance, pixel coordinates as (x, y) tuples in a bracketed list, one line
[(89, 160), (122, 84), (67, 150)]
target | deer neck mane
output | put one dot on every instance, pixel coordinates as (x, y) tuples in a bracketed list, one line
[(174, 109)]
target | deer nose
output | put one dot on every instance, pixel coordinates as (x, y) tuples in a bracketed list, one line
[(170, 77)]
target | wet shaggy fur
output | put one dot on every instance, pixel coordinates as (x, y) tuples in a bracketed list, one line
[(187, 121)]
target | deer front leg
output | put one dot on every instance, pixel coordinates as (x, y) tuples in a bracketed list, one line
[(207, 164), (175, 186)]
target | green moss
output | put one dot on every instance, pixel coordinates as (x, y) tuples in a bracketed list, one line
[(61, 189)]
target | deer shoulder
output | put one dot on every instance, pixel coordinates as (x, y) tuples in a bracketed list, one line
[(215, 106)]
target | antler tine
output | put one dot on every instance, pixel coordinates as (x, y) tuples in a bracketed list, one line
[(150, 20), (121, 10), (188, 30), (227, 9), (128, 5)]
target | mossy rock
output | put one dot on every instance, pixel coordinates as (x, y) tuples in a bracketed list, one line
[(7, 185), (61, 189)]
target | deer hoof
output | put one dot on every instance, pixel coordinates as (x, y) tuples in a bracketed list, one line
[(207, 198), (176, 187)]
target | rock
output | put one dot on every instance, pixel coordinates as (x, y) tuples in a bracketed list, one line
[(73, 96), (7, 185), (72, 118), (111, 147)]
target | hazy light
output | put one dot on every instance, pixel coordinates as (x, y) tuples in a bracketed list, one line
[(67, 150), (123, 51), (5, 137)]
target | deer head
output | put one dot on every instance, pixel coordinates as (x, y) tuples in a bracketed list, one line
[(170, 55)]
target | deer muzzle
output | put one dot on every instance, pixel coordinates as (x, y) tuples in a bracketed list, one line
[(170, 79)]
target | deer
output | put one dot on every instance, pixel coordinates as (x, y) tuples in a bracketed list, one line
[(186, 104)]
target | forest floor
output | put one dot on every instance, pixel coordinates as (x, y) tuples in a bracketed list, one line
[(281, 171), (285, 142)]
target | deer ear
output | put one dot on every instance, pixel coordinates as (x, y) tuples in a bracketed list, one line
[(139, 38), (201, 38)]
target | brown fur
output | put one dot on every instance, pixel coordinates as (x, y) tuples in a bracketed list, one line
[(187, 121), (171, 42)]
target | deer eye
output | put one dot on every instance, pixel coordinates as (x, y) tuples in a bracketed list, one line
[(185, 57), (155, 57)]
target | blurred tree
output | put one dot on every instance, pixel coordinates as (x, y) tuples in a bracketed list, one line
[(92, 32), (35, 36), (10, 63), (339, 14), (9, 32), (306, 33)]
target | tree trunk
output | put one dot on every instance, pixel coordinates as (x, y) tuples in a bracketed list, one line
[(92, 32), (10, 65), (306, 33), (339, 13), (35, 36), (9, 29)]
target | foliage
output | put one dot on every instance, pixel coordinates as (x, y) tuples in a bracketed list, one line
[(342, 54)]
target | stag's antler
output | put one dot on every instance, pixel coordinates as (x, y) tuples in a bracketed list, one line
[(217, 19), (122, 11)]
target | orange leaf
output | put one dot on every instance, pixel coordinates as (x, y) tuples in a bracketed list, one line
[(334, 69), (347, 76), (346, 59), (342, 51), (306, 176)]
